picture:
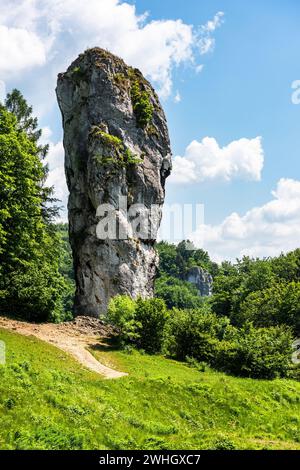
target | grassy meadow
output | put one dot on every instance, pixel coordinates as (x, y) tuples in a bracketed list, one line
[(49, 401)]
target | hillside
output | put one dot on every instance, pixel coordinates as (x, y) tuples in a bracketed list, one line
[(49, 401)]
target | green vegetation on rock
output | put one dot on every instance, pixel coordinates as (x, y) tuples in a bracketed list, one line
[(115, 151), (77, 74), (134, 83), (141, 103)]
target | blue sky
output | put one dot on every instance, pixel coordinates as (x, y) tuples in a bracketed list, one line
[(227, 76), (244, 90)]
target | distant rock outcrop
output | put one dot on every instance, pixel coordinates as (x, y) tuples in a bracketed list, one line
[(202, 280), (116, 148)]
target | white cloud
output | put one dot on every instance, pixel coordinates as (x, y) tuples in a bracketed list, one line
[(206, 160), (56, 175), (215, 23), (61, 29), (2, 91), (206, 41), (19, 49), (199, 68), (46, 135), (262, 231), (177, 97)]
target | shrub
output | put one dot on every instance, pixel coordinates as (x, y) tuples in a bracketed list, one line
[(151, 316), (199, 336), (223, 442), (263, 353), (194, 333), (140, 322), (121, 313), (250, 352)]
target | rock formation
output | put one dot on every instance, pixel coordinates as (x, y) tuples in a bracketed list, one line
[(201, 279), (116, 148)]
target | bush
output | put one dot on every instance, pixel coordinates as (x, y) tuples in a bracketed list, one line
[(199, 336), (121, 313), (223, 442), (262, 353), (194, 333), (250, 352), (140, 322), (151, 316)]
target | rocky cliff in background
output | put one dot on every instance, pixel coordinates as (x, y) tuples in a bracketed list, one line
[(116, 145), (201, 279)]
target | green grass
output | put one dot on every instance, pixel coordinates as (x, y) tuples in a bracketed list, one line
[(48, 401)]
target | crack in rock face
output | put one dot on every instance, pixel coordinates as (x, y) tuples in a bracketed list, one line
[(117, 148)]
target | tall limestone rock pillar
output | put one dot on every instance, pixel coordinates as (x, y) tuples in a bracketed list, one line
[(117, 158)]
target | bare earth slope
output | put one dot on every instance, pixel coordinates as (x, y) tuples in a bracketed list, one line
[(72, 337)]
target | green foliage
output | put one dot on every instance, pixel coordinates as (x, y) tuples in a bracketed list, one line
[(49, 401), (256, 352), (194, 334), (140, 322), (176, 260), (177, 293), (121, 313), (174, 264), (248, 351), (287, 266), (130, 158), (142, 106), (115, 151), (139, 94), (110, 140), (151, 316), (223, 442), (265, 292), (168, 259), (35, 294), (140, 97), (30, 284), (16, 104), (277, 305)]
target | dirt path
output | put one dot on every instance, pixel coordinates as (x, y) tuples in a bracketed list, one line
[(72, 337)]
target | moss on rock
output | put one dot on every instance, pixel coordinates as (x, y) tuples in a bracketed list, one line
[(115, 152)]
